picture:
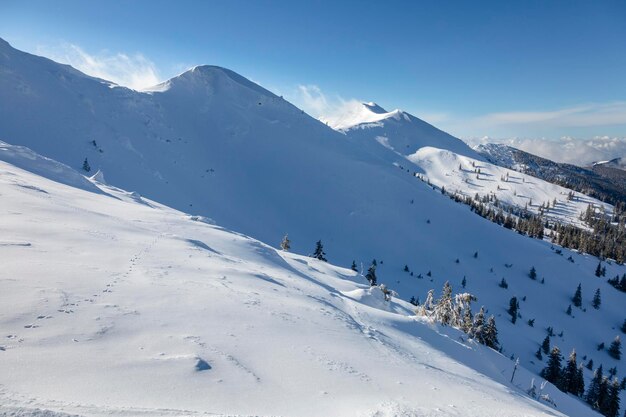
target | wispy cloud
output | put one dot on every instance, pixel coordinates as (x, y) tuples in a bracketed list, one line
[(134, 71), (595, 114), (566, 149), (314, 101), (568, 134)]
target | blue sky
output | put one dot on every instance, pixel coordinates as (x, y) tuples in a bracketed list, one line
[(528, 69)]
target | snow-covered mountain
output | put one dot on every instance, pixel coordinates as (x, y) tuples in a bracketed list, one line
[(113, 304), (396, 130), (618, 163), (213, 144), (448, 162)]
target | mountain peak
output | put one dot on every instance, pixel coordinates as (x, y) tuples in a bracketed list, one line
[(360, 113), (374, 108), (212, 78)]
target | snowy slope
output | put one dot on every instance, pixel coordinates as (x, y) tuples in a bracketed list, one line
[(213, 144), (605, 183), (116, 305), (438, 155), (458, 174)]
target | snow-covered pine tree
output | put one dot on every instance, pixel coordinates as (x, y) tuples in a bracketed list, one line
[(552, 372), (593, 391), (426, 308), (611, 404), (478, 328), (371, 274), (603, 396), (491, 334), (443, 310), (569, 380), (468, 321), (86, 166), (285, 244)]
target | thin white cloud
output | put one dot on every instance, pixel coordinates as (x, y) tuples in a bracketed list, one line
[(133, 71), (312, 100), (595, 114)]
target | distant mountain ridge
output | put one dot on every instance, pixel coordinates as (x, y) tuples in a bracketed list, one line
[(602, 180)]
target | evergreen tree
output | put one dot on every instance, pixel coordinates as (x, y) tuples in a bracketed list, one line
[(533, 273), (491, 334), (599, 269), (503, 284), (569, 310), (406, 268), (603, 396), (538, 354), (611, 405), (86, 166), (443, 310), (467, 321), (478, 328), (578, 298), (464, 283), (569, 380), (371, 274), (353, 266), (319, 251), (624, 326), (596, 299), (552, 372), (590, 364), (593, 392), (513, 307), (285, 244), (580, 381), (615, 350)]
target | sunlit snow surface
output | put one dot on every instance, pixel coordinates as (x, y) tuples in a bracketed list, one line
[(112, 304)]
